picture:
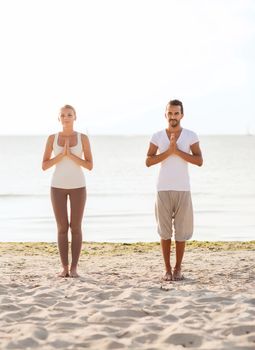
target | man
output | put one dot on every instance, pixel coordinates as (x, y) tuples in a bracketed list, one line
[(174, 147)]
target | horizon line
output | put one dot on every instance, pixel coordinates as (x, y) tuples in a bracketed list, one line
[(138, 134)]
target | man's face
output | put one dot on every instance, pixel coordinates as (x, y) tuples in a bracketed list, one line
[(173, 115)]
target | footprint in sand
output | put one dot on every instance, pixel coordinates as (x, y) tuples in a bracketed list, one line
[(25, 343), (40, 333), (59, 344), (9, 307), (14, 316), (147, 338), (241, 330), (251, 339), (112, 344), (107, 295), (187, 340), (210, 300), (125, 313)]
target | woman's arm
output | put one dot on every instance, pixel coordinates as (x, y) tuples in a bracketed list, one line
[(87, 162), (47, 161)]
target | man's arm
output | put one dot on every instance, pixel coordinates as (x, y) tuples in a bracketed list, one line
[(194, 158), (154, 158)]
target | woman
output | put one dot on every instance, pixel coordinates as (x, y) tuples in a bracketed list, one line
[(68, 180)]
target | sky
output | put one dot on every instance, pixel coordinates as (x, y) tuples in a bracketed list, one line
[(119, 62)]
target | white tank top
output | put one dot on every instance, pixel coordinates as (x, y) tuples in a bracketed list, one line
[(68, 174)]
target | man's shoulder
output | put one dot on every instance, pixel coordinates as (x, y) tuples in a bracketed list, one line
[(190, 135), (189, 132), (159, 133), (157, 137)]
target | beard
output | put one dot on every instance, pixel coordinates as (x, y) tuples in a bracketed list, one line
[(174, 122)]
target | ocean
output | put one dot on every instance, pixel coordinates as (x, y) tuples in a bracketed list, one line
[(121, 190)]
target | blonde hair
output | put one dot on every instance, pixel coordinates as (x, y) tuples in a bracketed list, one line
[(70, 107)]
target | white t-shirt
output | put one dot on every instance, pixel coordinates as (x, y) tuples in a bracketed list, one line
[(173, 173)]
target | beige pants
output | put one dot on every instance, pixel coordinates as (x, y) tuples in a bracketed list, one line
[(174, 209)]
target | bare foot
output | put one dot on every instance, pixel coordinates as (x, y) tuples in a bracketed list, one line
[(177, 275), (167, 276), (64, 273), (73, 273)]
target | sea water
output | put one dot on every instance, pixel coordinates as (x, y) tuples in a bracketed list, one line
[(121, 190)]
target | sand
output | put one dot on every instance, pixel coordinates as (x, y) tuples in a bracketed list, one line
[(119, 301)]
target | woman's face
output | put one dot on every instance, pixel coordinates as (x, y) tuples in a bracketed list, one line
[(67, 116)]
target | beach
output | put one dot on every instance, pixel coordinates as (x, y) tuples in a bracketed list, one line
[(120, 302)]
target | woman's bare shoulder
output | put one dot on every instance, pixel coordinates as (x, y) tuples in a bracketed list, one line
[(84, 137), (51, 138)]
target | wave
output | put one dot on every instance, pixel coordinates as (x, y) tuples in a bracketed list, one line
[(94, 194), (97, 216), (130, 194), (20, 195)]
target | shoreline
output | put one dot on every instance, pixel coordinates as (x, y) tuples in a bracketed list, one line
[(106, 248)]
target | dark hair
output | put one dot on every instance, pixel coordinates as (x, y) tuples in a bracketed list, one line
[(175, 103)]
